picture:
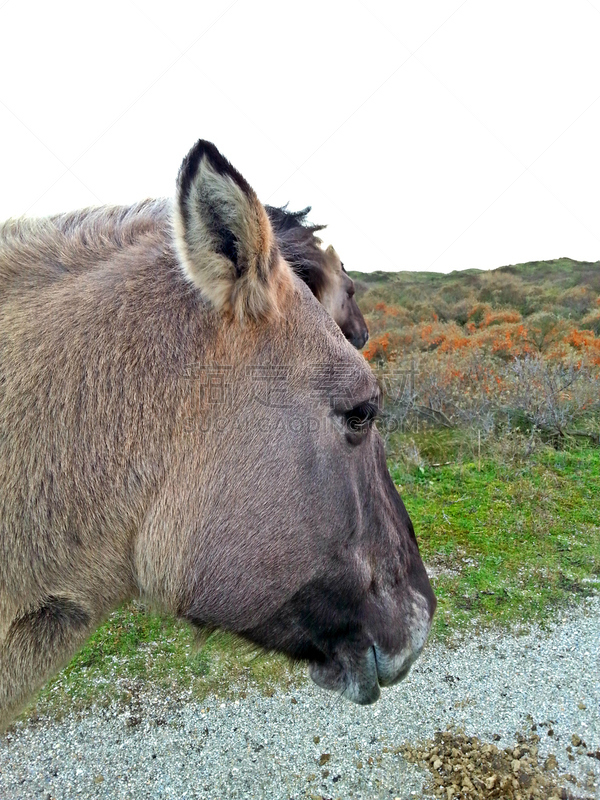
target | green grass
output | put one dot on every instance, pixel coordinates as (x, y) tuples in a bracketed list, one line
[(511, 543), (137, 649)]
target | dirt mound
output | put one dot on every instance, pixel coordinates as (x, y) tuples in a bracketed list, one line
[(464, 768)]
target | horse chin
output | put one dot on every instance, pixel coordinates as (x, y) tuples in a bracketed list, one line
[(359, 680), (356, 681)]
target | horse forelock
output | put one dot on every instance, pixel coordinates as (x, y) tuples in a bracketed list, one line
[(301, 248)]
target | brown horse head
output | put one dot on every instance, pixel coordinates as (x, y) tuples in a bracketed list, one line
[(320, 269), (181, 419)]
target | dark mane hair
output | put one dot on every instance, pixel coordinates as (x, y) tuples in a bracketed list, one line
[(299, 245)]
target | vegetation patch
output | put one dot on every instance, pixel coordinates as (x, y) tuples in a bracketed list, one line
[(517, 348), (137, 651), (509, 542)]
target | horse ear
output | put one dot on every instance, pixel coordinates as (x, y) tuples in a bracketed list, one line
[(333, 259), (224, 237)]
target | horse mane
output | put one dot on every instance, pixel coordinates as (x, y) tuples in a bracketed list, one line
[(34, 250), (44, 249), (299, 246)]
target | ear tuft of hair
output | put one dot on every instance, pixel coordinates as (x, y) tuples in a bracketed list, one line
[(224, 238)]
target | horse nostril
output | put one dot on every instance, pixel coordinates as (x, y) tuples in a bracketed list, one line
[(358, 341), (392, 669)]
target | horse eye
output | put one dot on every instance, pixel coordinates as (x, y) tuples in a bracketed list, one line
[(358, 420)]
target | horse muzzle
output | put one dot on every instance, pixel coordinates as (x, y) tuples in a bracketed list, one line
[(358, 677)]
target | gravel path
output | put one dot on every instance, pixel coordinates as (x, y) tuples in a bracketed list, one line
[(307, 743)]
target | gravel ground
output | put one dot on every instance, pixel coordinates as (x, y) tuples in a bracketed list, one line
[(307, 743)]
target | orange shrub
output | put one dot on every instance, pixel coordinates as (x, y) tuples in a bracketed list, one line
[(377, 348), (390, 311), (506, 340), (586, 343), (451, 343), (478, 312), (498, 317)]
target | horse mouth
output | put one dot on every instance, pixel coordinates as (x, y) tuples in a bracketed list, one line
[(360, 680)]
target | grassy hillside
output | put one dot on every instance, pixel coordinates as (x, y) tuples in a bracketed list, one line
[(563, 286)]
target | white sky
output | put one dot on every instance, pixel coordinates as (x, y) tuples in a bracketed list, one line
[(429, 135)]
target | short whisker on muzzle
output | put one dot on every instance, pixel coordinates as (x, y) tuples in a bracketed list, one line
[(339, 698)]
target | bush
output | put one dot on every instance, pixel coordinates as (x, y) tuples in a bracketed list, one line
[(578, 300), (500, 289), (592, 322)]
